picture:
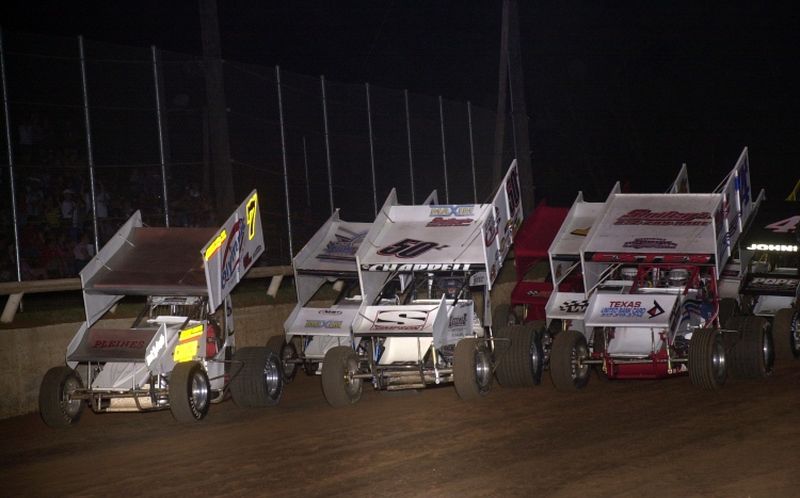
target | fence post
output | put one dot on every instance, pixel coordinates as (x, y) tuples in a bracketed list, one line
[(327, 140), (410, 156), (444, 152), (160, 135), (285, 162), (371, 153), (10, 151), (89, 155), (472, 152)]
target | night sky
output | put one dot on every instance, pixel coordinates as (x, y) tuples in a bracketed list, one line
[(615, 90)]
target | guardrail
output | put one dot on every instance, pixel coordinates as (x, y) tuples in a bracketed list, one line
[(15, 290)]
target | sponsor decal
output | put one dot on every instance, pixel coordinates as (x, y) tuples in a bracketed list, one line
[(532, 293), (454, 210), (773, 247), (449, 222), (777, 284), (323, 324), (457, 321), (513, 192), (232, 256), (406, 267), (400, 320), (344, 245), (655, 310), (409, 248), (623, 309), (490, 229), (574, 306), (650, 242), (250, 209), (329, 312), (191, 333), (789, 225), (158, 346), (117, 344), (216, 244), (663, 218), (581, 232)]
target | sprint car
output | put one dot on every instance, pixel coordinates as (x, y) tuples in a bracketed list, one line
[(425, 273), (770, 274), (179, 353), (651, 306)]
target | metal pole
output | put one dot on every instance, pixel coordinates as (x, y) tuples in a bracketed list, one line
[(305, 163), (160, 136), (327, 140), (472, 152), (444, 152), (10, 150), (89, 156), (285, 162), (410, 156), (371, 153)]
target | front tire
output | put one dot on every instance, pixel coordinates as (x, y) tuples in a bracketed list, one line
[(338, 384), (521, 363), (753, 356), (566, 371), (55, 406), (259, 381), (189, 392), (472, 369), (707, 359)]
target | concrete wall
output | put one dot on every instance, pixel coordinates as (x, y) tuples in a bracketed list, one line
[(26, 354)]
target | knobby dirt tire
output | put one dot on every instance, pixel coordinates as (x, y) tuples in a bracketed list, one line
[(520, 359), (55, 408), (338, 387), (470, 361), (568, 347), (258, 382), (704, 371), (189, 392)]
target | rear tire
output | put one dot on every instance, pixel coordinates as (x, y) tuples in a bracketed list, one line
[(338, 385), (707, 365), (286, 351), (189, 392), (55, 406), (519, 362), (786, 346), (259, 380), (569, 348), (753, 356), (472, 369)]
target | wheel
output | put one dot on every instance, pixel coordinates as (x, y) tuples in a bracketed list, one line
[(189, 392), (566, 371), (472, 369), (286, 351), (784, 330), (728, 307), (707, 365), (55, 405), (258, 382), (338, 384), (752, 357), (519, 362)]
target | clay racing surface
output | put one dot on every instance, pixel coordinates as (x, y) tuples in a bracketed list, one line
[(644, 438)]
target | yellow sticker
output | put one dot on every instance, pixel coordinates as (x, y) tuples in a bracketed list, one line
[(185, 351), (250, 209), (191, 333), (216, 244)]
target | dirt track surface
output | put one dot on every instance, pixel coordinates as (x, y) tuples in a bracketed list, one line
[(644, 438)]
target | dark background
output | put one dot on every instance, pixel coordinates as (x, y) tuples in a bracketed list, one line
[(615, 90)]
